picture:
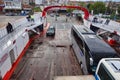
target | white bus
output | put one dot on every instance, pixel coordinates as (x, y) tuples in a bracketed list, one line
[(89, 48)]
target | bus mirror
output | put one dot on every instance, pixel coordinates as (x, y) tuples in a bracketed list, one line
[(91, 61)]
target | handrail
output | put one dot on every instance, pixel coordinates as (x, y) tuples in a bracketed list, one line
[(18, 30)]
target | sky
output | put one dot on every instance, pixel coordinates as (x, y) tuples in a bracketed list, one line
[(97, 0)]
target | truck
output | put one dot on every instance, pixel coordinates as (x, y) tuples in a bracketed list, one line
[(107, 69)]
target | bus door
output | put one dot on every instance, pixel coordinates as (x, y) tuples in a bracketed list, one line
[(83, 59), (87, 59), (77, 46)]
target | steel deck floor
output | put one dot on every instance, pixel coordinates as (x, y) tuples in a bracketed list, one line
[(48, 57)]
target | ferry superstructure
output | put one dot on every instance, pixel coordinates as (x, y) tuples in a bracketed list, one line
[(14, 44)]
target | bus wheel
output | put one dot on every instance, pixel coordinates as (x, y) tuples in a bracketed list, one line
[(81, 65)]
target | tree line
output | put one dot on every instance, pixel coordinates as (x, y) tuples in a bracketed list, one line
[(100, 7)]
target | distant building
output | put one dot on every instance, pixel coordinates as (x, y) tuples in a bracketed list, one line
[(63, 1), (25, 2), (38, 2), (18, 7), (26, 7), (11, 5), (1, 6), (32, 1)]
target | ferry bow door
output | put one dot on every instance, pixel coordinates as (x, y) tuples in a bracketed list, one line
[(12, 56)]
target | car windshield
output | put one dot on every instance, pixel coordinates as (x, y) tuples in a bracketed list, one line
[(51, 28)]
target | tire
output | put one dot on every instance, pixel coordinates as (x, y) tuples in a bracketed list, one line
[(81, 66)]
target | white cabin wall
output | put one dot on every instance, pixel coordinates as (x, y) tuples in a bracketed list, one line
[(5, 66), (25, 37), (17, 48), (21, 42), (19, 45), (3, 32)]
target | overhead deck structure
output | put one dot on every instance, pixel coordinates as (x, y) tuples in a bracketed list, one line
[(111, 26), (74, 7)]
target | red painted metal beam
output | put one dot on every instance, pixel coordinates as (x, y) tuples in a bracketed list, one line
[(74, 7)]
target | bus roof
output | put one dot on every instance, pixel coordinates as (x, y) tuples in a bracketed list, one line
[(83, 29), (97, 45)]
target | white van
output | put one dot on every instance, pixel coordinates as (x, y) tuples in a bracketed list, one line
[(108, 69)]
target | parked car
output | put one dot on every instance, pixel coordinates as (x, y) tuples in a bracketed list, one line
[(9, 14), (68, 14), (50, 31), (52, 14), (57, 15)]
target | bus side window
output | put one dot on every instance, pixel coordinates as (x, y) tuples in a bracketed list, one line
[(87, 51), (78, 40), (104, 74)]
